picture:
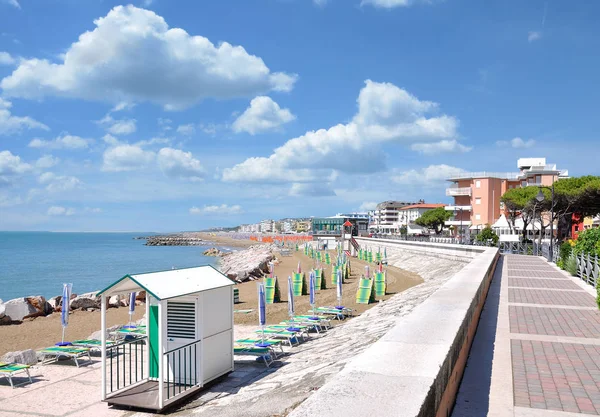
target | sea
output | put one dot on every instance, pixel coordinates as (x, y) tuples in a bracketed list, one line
[(38, 263)]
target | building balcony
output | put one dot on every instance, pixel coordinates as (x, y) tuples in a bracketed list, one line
[(458, 191), (458, 208), (455, 222)]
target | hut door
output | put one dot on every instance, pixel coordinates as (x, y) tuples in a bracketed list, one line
[(184, 361)]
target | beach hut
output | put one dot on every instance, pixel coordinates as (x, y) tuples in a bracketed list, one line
[(188, 340)]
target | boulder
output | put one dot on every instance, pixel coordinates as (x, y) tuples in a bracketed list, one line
[(141, 296), (5, 321), (212, 252), (97, 335), (114, 301), (85, 301), (25, 357), (2, 309), (41, 305), (19, 308), (54, 302)]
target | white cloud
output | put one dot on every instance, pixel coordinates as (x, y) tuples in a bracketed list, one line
[(431, 175), (311, 190), (154, 141), (223, 209), (46, 161), (11, 168), (133, 56), (440, 147), (210, 128), (123, 105), (10, 124), (147, 3), (534, 36), (368, 205), (176, 163), (62, 142), (517, 143), (263, 115), (6, 58), (390, 4), (110, 139), (386, 113), (94, 210), (60, 211), (13, 3), (126, 157), (186, 130), (118, 127), (59, 183)]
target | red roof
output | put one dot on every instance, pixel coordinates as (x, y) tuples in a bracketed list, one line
[(347, 224), (423, 206)]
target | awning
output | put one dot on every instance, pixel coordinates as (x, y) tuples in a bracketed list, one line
[(501, 223), (347, 224)]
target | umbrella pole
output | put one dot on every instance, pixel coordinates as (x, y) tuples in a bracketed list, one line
[(63, 335)]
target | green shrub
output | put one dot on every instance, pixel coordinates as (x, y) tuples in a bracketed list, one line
[(588, 242), (565, 252), (488, 236), (571, 265), (560, 263)]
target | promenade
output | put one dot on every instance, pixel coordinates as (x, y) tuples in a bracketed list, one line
[(537, 347)]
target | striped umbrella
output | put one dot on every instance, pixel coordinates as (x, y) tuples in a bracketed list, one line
[(262, 308), (339, 288), (291, 309), (66, 306)]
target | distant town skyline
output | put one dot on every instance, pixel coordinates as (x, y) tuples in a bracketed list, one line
[(157, 116)]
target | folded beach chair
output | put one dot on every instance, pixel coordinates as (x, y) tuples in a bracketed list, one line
[(260, 352), (380, 284), (9, 370), (54, 353), (320, 282), (272, 292), (327, 259), (299, 283), (292, 338), (334, 276), (370, 257), (270, 343), (378, 257), (365, 293)]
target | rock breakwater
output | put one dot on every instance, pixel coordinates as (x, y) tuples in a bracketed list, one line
[(248, 264), (179, 239)]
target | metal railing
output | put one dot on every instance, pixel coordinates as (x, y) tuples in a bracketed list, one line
[(126, 365), (458, 191), (588, 268), (182, 368), (486, 174), (529, 248)]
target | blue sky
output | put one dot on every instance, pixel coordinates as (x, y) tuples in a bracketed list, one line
[(179, 115)]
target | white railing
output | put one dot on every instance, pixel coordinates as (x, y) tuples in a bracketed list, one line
[(458, 208), (458, 191), (588, 268), (486, 174)]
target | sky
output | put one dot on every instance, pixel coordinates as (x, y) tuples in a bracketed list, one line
[(176, 115)]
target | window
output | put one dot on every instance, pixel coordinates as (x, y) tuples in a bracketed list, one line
[(478, 217), (478, 200), (477, 184)]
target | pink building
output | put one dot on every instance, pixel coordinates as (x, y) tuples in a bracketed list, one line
[(477, 194)]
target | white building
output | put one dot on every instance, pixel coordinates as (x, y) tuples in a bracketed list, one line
[(266, 226), (384, 219)]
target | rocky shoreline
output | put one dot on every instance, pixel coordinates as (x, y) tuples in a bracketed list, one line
[(248, 264), (177, 239)]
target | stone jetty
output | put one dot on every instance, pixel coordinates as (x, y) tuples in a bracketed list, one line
[(178, 239), (249, 264)]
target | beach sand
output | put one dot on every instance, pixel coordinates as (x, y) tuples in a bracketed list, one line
[(45, 331)]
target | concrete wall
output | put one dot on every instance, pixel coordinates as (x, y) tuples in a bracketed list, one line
[(416, 367)]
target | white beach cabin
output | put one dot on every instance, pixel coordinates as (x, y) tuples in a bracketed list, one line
[(188, 340)]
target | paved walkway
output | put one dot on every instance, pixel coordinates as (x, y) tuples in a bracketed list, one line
[(537, 347)]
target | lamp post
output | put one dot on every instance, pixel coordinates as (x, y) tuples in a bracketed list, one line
[(539, 197), (551, 248)]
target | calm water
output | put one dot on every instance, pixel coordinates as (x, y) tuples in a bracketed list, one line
[(37, 263)]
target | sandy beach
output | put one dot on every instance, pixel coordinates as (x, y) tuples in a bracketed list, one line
[(45, 331)]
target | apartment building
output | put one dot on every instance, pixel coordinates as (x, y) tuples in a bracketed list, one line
[(267, 226), (477, 194), (408, 214), (385, 217)]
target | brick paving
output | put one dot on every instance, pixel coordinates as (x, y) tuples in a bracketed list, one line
[(554, 321), (563, 284), (534, 296), (523, 273)]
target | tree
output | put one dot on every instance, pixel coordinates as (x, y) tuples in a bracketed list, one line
[(521, 202), (403, 230), (488, 236), (434, 219)]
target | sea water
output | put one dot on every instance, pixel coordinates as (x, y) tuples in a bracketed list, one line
[(38, 263)]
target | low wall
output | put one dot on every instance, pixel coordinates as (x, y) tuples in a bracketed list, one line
[(416, 367), (438, 250)]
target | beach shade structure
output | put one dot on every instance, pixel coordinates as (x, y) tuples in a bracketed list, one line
[(187, 344), (236, 296), (339, 291), (370, 256), (291, 309), (272, 292), (380, 283), (378, 257), (319, 256), (365, 293), (299, 284), (64, 314), (327, 258)]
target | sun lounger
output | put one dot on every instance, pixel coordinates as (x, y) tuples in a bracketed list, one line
[(259, 352), (290, 337), (308, 324), (9, 370), (129, 332), (93, 344), (323, 321), (270, 343), (300, 329), (70, 352)]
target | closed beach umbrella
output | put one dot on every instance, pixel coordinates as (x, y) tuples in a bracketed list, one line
[(262, 307), (339, 287), (291, 310), (367, 271), (131, 306), (271, 268), (299, 268), (311, 289), (66, 306)]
